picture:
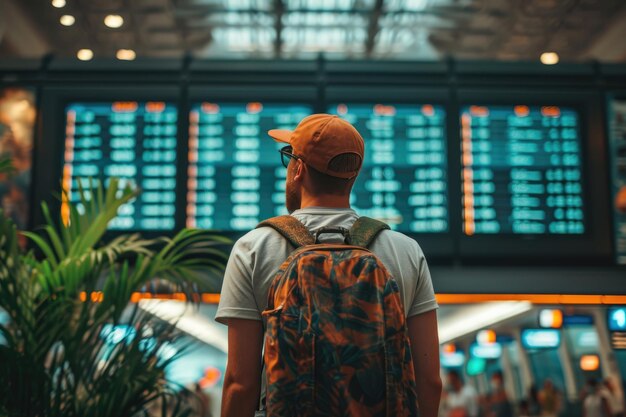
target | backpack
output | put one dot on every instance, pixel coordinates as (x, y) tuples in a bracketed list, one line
[(336, 341)]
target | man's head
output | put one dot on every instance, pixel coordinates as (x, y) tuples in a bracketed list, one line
[(326, 154), (497, 380), (454, 380)]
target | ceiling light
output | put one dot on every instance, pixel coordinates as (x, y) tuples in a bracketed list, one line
[(549, 58), (470, 319), (126, 54), (58, 3), (67, 20), (85, 54), (188, 320), (114, 21)]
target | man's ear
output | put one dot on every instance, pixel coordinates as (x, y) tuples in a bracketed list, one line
[(300, 169)]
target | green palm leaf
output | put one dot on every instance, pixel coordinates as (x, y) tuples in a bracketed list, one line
[(58, 362)]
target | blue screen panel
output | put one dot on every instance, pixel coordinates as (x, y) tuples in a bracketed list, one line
[(521, 170), (403, 181), (235, 174), (134, 141)]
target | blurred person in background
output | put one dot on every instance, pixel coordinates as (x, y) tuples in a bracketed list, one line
[(614, 396), (524, 409), (203, 405), (533, 401), (594, 403), (460, 400), (497, 404), (17, 119), (549, 399)]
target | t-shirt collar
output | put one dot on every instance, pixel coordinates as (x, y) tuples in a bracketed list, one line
[(324, 210)]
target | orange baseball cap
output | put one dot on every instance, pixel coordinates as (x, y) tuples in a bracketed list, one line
[(319, 138)]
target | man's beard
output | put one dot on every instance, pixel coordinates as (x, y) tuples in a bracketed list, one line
[(293, 199)]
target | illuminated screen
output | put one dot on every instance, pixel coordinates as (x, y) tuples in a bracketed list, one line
[(403, 180), (617, 149), (133, 141), (521, 170), (540, 338), (235, 174), (17, 120), (617, 319)]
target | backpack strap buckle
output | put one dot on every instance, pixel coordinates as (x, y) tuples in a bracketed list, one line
[(335, 230)]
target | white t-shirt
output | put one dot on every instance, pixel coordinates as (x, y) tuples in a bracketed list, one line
[(593, 406), (256, 257), (466, 398)]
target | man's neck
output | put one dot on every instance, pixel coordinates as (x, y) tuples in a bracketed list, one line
[(332, 201)]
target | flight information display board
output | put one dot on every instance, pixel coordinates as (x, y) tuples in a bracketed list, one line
[(617, 147), (521, 170), (235, 174), (134, 141), (403, 180)]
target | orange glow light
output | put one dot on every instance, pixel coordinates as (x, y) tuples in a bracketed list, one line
[(342, 109), (589, 362), (542, 299), (428, 110), (210, 298), (521, 111), (550, 111), (155, 106), (486, 337), (382, 110), (551, 318), (211, 377), (124, 106), (254, 107), (479, 111), (449, 348), (210, 108), (214, 298)]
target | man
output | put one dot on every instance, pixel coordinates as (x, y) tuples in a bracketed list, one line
[(461, 400), (323, 156), (497, 401)]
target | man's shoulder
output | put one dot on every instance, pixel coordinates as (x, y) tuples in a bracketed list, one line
[(258, 237), (398, 240)]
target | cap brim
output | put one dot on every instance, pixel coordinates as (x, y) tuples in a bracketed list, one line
[(280, 135)]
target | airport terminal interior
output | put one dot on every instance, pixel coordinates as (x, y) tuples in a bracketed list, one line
[(495, 136)]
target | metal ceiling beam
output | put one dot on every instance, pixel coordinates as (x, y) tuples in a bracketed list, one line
[(372, 29), (278, 42), (20, 33)]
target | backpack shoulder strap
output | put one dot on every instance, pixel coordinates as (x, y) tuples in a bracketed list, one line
[(364, 231), (291, 228)]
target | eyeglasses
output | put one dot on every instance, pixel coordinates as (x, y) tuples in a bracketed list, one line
[(286, 155)]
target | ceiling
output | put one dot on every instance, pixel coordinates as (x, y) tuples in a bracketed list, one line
[(341, 29)]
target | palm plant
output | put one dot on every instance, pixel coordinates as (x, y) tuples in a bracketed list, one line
[(62, 353)]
